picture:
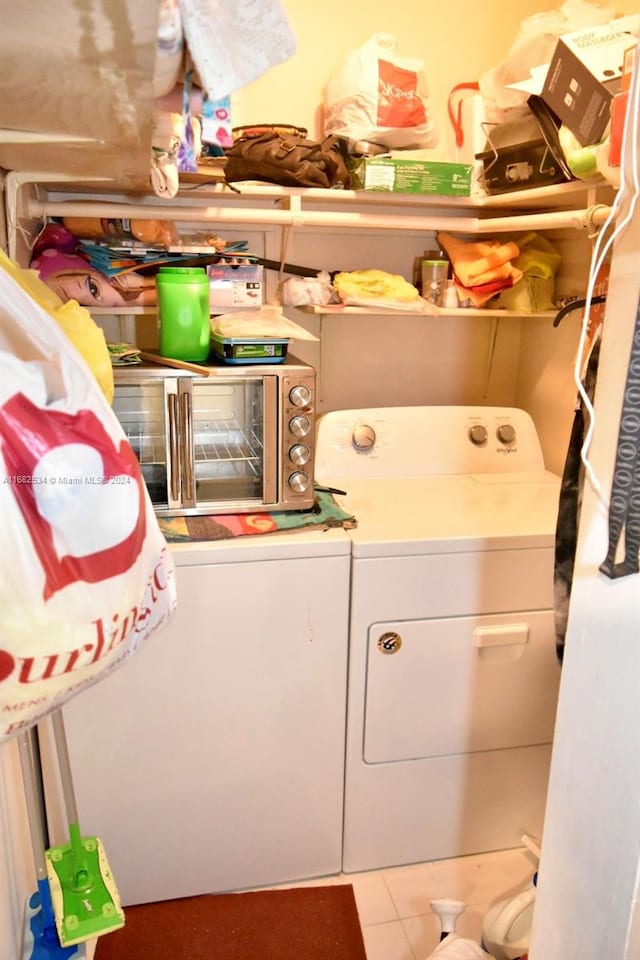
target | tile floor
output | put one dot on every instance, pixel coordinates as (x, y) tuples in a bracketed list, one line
[(393, 904)]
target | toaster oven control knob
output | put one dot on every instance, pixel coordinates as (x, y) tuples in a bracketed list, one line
[(299, 481), (300, 395), (300, 454), (478, 434), (299, 425), (506, 433), (363, 437)]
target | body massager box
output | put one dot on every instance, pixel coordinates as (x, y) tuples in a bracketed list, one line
[(583, 77)]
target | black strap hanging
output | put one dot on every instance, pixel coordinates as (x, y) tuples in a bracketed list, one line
[(624, 508), (569, 504)]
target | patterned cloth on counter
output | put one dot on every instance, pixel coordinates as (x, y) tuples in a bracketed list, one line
[(325, 514)]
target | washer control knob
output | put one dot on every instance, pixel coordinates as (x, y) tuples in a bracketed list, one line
[(478, 434), (300, 454), (300, 395), (363, 437), (300, 425), (299, 481), (506, 433)]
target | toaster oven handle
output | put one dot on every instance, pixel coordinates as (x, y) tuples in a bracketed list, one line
[(186, 432), (174, 468)]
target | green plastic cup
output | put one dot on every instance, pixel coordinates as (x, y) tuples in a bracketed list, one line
[(183, 311)]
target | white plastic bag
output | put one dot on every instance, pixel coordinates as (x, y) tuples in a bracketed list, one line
[(534, 46), (381, 97), (85, 573)]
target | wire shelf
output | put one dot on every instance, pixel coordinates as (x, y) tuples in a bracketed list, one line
[(227, 445), (224, 444)]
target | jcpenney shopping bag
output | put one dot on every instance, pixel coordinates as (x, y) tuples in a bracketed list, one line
[(85, 573), (380, 96)]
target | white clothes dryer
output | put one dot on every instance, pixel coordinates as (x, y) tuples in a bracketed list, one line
[(453, 676)]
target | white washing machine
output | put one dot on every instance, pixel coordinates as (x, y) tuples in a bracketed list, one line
[(453, 676)]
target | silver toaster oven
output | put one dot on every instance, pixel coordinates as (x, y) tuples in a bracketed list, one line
[(234, 439)]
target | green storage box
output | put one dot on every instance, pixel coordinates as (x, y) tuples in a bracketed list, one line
[(249, 349)]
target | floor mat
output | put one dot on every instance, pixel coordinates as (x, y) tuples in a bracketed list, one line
[(301, 923)]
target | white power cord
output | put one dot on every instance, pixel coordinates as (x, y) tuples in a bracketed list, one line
[(600, 251)]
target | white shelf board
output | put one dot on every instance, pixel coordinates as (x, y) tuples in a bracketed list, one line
[(272, 196), (335, 310), (149, 311), (549, 197)]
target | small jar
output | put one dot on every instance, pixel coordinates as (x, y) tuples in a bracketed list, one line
[(434, 279)]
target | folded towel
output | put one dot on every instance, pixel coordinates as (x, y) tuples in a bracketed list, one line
[(482, 268), (478, 261)]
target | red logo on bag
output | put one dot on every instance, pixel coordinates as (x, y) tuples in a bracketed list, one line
[(399, 104), (82, 498)]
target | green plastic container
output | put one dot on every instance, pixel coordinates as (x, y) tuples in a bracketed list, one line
[(183, 310)]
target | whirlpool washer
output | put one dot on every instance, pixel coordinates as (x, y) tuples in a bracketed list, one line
[(453, 676)]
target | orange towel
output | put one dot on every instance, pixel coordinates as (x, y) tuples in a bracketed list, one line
[(476, 261), (481, 266)]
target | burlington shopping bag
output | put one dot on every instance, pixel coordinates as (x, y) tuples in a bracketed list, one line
[(85, 573)]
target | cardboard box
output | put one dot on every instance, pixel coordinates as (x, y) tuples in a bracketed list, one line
[(235, 285), (393, 175), (583, 77)]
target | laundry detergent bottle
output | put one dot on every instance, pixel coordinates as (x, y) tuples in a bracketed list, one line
[(183, 312)]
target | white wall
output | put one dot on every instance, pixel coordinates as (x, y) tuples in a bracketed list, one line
[(458, 41), (587, 904)]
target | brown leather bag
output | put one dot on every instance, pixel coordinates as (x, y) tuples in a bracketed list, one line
[(288, 160)]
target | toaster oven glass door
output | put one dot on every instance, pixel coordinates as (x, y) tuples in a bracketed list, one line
[(141, 409), (204, 445), (231, 431)]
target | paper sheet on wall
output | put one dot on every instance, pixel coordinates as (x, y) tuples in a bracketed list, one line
[(232, 44)]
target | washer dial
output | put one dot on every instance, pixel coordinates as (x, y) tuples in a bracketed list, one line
[(363, 437), (506, 433), (478, 434)]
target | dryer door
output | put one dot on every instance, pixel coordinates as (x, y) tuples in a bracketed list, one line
[(459, 685)]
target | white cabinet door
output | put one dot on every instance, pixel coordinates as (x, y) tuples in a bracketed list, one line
[(214, 760)]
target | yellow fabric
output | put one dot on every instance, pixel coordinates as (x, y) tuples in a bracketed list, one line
[(75, 321), (539, 261), (374, 285)]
